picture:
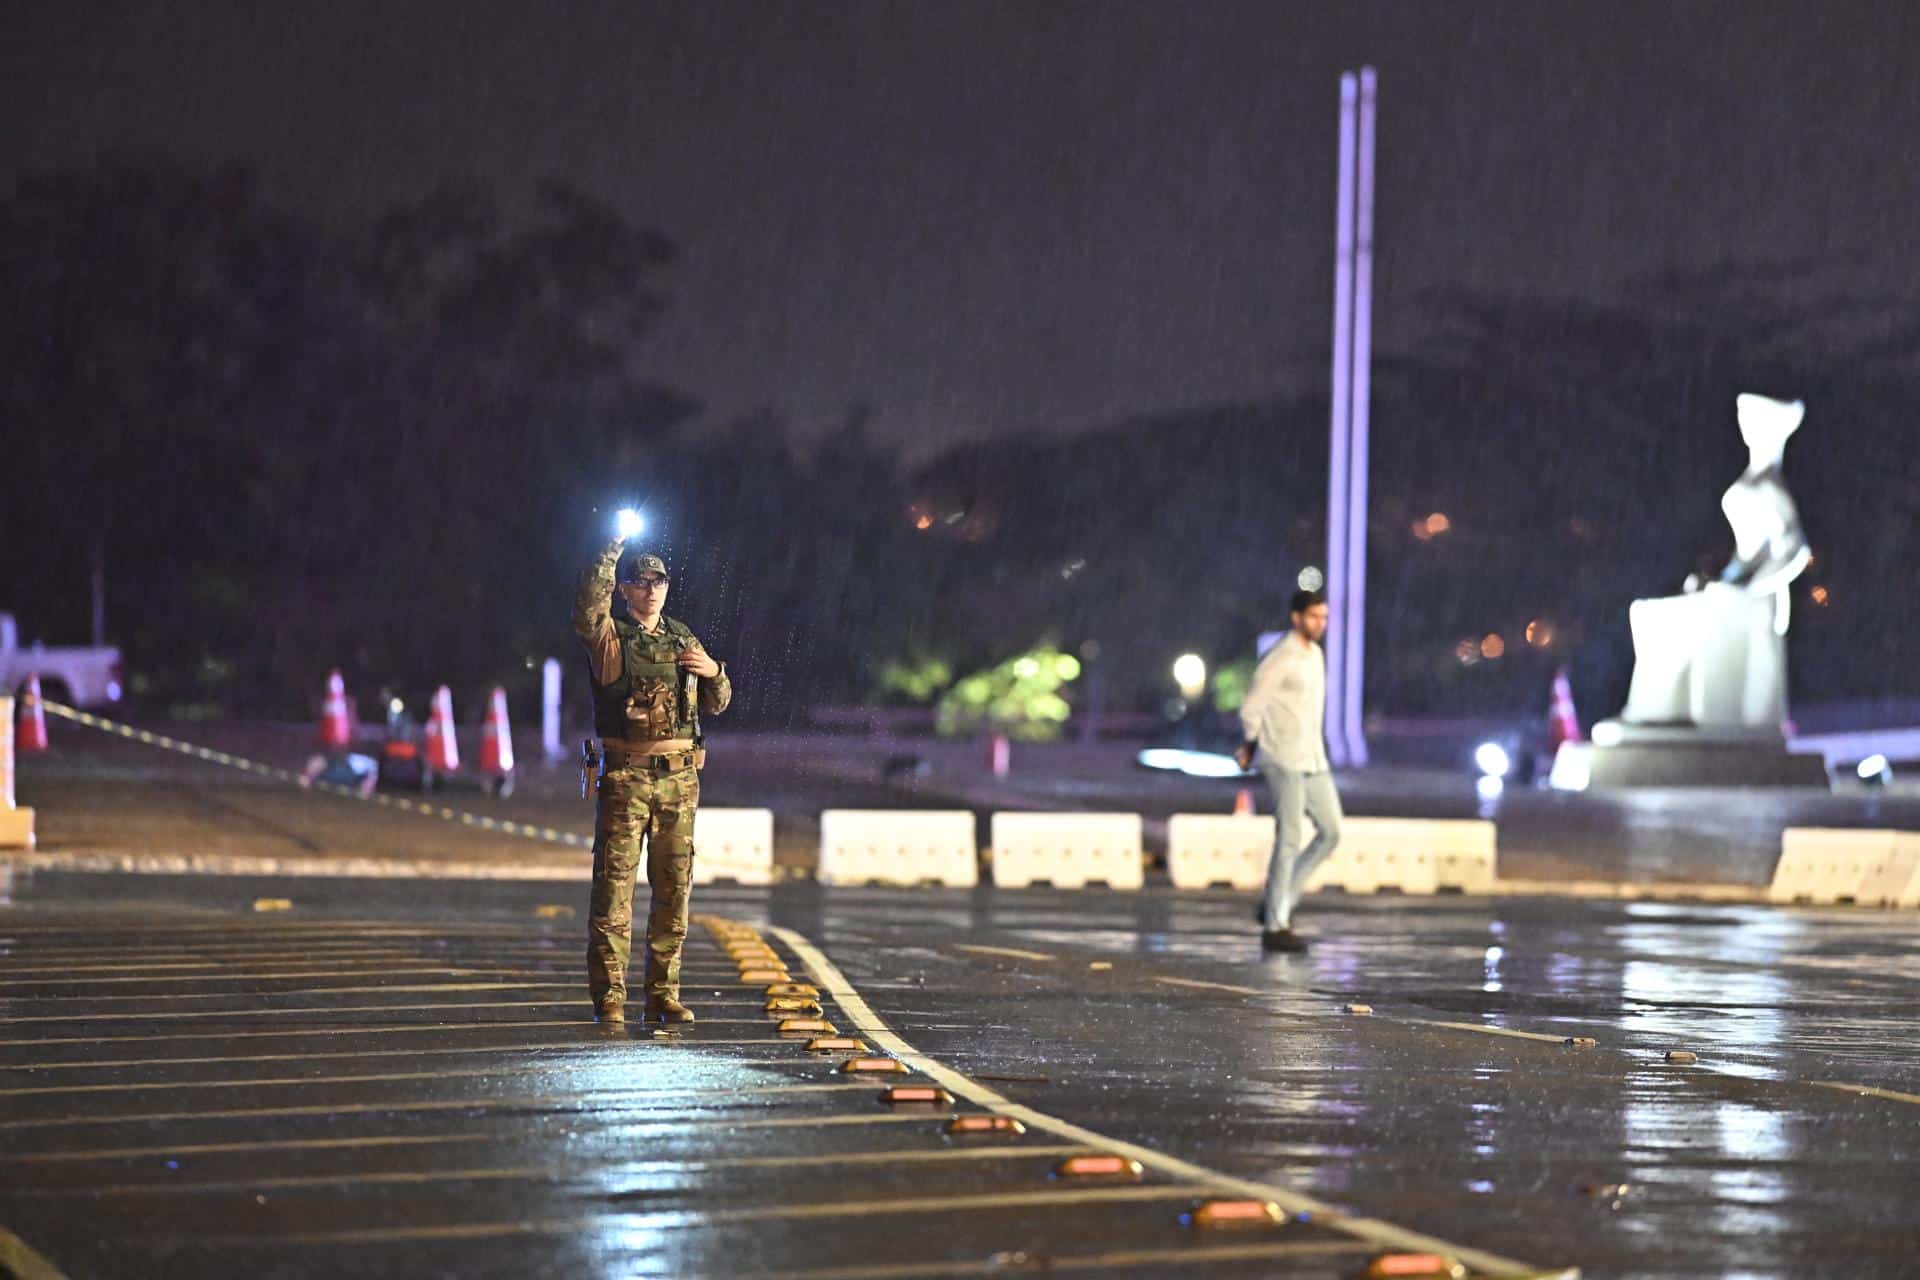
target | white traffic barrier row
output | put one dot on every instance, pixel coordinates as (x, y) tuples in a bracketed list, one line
[(1409, 855), (898, 846), (16, 824), (1067, 850), (1840, 866), (733, 844)]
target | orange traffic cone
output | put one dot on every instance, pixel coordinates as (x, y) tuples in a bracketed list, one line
[(1243, 803), (1563, 723), (443, 753), (496, 737), (32, 734), (336, 730)]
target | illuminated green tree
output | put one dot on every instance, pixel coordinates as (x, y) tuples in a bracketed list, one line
[(1022, 697)]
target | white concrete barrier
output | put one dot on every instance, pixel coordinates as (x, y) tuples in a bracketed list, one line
[(1846, 866), (733, 844), (1067, 850), (16, 824), (1410, 855), (1208, 849), (898, 846)]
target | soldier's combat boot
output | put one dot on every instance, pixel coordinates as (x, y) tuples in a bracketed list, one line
[(667, 1009), (610, 1011)]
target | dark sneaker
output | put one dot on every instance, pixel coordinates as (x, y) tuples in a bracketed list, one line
[(667, 1009), (1282, 940)]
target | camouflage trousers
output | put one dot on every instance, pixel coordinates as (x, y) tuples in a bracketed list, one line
[(635, 806)]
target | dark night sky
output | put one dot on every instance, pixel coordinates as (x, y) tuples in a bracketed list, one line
[(987, 217)]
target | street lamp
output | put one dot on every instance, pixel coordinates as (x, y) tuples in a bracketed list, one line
[(1190, 673)]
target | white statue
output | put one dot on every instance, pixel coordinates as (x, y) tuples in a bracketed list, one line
[(1715, 658)]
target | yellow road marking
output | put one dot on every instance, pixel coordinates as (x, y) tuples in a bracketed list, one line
[(589, 1042), (829, 978), (560, 1173), (750, 1213), (1891, 1095), (1135, 1261), (1213, 986), (365, 958), (1015, 952), (391, 1029), (283, 1013), (72, 1156), (442, 1104), (152, 979), (1486, 1030), (384, 1077), (415, 988), (21, 1262)]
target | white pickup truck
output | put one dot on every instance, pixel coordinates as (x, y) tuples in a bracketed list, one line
[(75, 676)]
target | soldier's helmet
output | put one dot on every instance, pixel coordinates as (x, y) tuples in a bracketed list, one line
[(638, 565)]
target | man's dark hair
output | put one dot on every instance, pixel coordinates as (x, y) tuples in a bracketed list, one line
[(1305, 600)]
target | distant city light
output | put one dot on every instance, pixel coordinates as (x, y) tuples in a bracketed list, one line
[(1195, 764), (1539, 634), (1488, 787), (1190, 673), (1875, 771), (1492, 760), (1311, 579), (1468, 652), (924, 522), (1493, 648), (1438, 524), (1819, 595)]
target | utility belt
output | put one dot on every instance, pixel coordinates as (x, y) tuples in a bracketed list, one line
[(623, 755)]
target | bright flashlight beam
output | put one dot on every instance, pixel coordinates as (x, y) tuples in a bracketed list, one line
[(629, 523)]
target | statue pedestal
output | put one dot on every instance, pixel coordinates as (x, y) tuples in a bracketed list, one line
[(1625, 756)]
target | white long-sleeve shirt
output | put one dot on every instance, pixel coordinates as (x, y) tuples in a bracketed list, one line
[(1286, 707)]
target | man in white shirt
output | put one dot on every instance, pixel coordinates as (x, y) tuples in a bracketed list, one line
[(1283, 720)]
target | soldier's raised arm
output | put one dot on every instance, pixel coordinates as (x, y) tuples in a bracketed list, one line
[(592, 613)]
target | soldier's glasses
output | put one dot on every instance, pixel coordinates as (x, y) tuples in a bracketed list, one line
[(651, 581)]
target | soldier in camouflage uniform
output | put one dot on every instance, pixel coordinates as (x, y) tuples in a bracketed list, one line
[(651, 679)]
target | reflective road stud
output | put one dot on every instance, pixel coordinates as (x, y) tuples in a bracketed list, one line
[(864, 1066), (760, 977), (273, 904), (1682, 1056), (1113, 1168), (1581, 1042), (792, 1004), (922, 1094), (1361, 1009), (980, 1126), (793, 989), (1234, 1213), (836, 1044), (807, 1026), (1423, 1266)]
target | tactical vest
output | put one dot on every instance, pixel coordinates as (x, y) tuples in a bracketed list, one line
[(651, 699)]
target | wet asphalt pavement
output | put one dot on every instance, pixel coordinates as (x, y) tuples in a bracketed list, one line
[(400, 1078)]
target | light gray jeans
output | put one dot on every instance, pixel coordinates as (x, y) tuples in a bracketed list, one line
[(1296, 798)]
